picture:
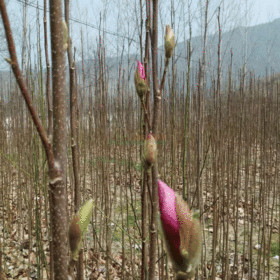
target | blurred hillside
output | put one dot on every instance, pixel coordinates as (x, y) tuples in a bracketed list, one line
[(261, 54)]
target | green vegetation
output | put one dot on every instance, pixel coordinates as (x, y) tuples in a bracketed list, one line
[(274, 246)]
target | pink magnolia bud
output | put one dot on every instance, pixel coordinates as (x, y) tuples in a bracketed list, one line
[(141, 70), (140, 80), (169, 42), (169, 220), (181, 232)]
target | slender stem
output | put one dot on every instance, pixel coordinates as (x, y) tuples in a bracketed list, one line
[(74, 126), (157, 105), (50, 126), (146, 109), (48, 89), (146, 115), (164, 74), (185, 194)]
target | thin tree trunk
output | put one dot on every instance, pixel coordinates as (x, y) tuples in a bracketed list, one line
[(56, 155), (144, 270), (74, 127), (59, 214), (157, 105), (50, 123), (185, 184), (48, 89)]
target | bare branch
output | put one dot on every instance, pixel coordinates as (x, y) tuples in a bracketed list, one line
[(25, 92)]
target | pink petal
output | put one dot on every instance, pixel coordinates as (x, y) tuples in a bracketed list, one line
[(141, 70), (169, 219)]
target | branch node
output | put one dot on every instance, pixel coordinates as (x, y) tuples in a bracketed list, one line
[(9, 61)]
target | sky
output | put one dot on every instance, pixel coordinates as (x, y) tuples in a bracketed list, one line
[(120, 21)]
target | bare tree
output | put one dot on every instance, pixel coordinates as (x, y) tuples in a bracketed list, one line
[(56, 152)]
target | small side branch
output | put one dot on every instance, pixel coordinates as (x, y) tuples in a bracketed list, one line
[(25, 92)]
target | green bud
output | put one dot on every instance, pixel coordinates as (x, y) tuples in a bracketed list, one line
[(150, 151), (169, 42)]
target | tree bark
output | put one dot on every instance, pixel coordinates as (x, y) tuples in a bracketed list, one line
[(56, 154), (157, 105), (59, 214)]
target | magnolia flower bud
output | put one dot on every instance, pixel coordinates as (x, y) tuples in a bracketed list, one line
[(78, 227), (169, 42), (75, 234), (140, 80), (181, 232), (150, 151)]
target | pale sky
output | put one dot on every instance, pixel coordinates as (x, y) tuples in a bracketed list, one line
[(122, 19)]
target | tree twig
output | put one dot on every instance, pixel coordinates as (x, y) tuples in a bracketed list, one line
[(25, 92)]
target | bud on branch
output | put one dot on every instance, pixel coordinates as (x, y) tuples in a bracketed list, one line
[(181, 232), (169, 42), (78, 227), (140, 80), (150, 151)]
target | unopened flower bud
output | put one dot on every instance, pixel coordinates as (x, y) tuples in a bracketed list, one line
[(190, 236), (78, 227), (140, 80), (181, 232), (75, 234), (150, 151), (169, 42)]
